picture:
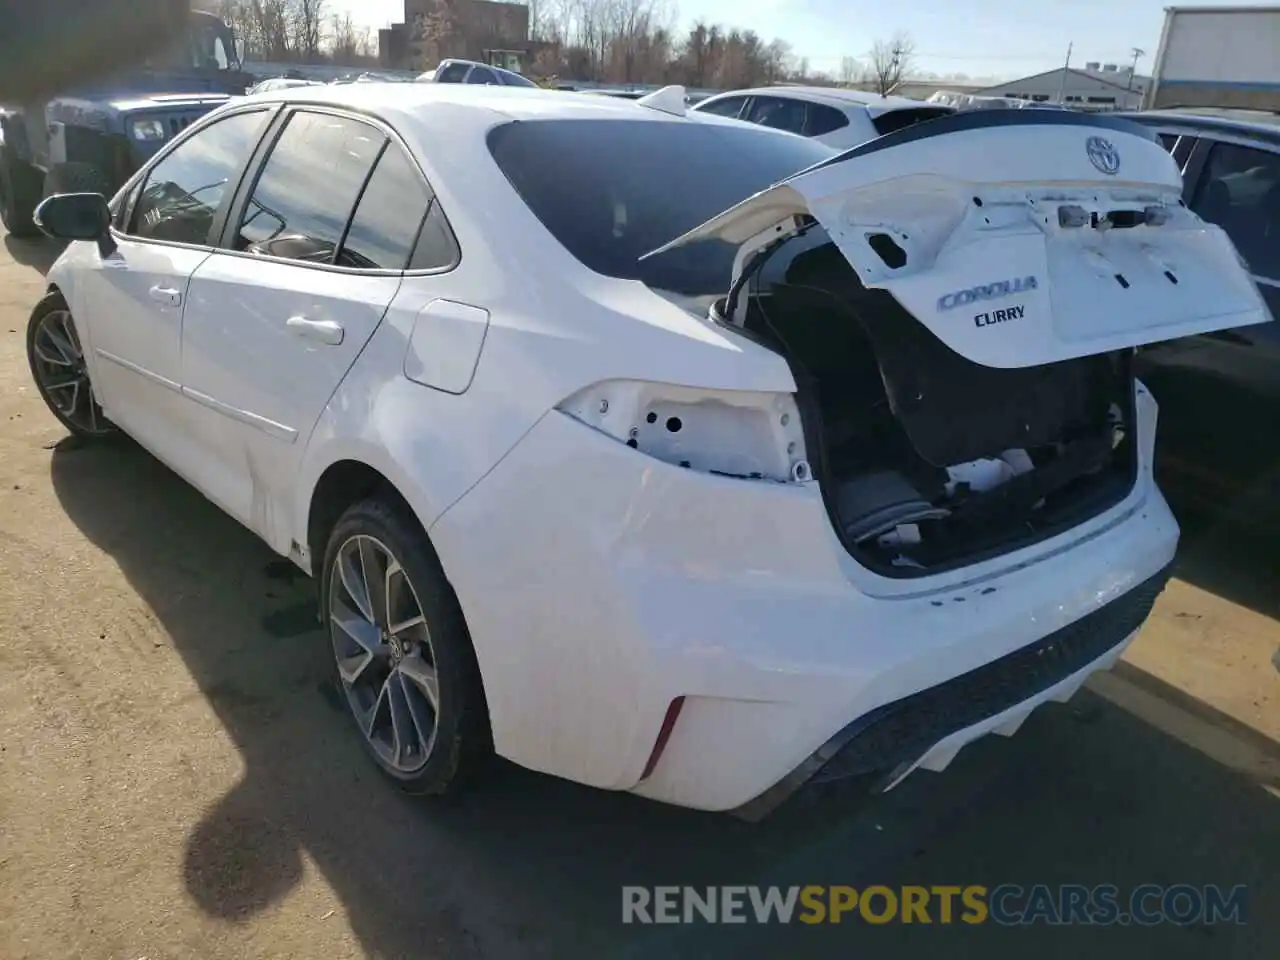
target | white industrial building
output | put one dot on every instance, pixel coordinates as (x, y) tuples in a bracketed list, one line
[(1098, 86)]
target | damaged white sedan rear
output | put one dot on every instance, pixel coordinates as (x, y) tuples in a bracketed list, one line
[(710, 464)]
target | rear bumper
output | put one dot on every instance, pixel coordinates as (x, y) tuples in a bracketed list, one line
[(599, 585), (928, 728)]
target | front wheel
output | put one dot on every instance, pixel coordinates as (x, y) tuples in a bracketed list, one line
[(402, 657), (58, 367)]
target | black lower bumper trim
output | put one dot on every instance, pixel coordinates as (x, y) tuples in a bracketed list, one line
[(899, 733)]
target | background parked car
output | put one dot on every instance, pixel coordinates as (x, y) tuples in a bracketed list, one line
[(1219, 393), (282, 83), (839, 118), (469, 71)]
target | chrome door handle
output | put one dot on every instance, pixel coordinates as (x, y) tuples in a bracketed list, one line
[(325, 331), (166, 295)]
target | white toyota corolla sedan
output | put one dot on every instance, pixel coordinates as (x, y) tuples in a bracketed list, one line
[(621, 447)]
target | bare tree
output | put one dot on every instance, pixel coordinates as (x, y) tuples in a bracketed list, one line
[(306, 27), (890, 61), (635, 41), (349, 43), (851, 71), (268, 27), (777, 56), (236, 15)]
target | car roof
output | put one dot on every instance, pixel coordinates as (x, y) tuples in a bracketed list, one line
[(839, 97), (1260, 124), (482, 105)]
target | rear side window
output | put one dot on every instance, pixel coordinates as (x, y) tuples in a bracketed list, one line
[(387, 219), (1239, 190), (437, 247), (453, 73), (728, 107), (1168, 141), (821, 119), (514, 79), (898, 119), (308, 188), (780, 113)]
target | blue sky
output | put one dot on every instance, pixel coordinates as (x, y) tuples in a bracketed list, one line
[(1001, 38)]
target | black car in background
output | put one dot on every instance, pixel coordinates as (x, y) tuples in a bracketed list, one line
[(1218, 441)]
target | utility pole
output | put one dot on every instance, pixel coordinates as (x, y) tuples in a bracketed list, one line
[(1137, 52), (1062, 86)]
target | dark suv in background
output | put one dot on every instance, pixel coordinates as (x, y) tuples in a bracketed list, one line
[(1219, 394)]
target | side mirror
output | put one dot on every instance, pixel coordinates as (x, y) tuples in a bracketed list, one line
[(75, 216)]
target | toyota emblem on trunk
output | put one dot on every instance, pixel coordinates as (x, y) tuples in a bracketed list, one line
[(1103, 155)]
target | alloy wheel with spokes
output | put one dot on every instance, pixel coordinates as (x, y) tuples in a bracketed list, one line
[(383, 652), (58, 366)]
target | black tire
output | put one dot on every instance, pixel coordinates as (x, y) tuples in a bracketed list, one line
[(461, 744), (83, 417), (19, 194), (77, 178)]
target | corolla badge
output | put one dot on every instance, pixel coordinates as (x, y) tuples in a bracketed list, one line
[(986, 291), (1103, 155)]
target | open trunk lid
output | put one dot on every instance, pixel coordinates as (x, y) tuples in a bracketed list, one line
[(1018, 238)]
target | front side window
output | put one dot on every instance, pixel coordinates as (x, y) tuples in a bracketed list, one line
[(609, 193), (1240, 192), (726, 107), (481, 75), (304, 197), (181, 195)]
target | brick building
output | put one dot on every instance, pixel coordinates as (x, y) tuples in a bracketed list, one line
[(483, 30)]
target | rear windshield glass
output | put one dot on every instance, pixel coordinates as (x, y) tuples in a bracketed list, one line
[(612, 190), (897, 119)]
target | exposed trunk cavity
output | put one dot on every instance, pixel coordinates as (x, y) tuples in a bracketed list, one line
[(927, 460)]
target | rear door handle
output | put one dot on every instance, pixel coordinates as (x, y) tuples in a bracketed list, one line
[(166, 295), (325, 331)]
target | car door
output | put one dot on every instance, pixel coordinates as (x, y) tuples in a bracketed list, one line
[(130, 302), (313, 255), (1220, 391)]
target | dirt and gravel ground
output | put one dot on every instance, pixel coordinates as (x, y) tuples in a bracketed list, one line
[(174, 781)]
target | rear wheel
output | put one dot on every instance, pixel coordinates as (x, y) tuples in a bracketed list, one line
[(19, 194), (57, 365), (402, 657)]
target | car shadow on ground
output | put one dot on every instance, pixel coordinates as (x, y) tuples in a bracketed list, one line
[(38, 252), (1227, 550), (531, 866)]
